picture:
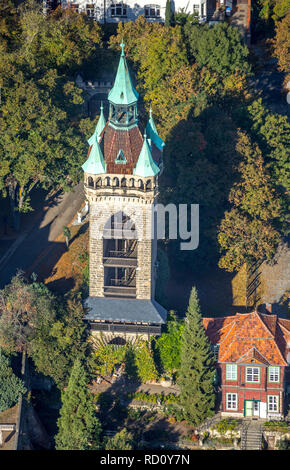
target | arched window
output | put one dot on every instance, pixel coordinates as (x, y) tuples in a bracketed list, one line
[(140, 184), (118, 341), (90, 182), (118, 10), (152, 11), (107, 181), (99, 183), (123, 183), (131, 182), (148, 185), (116, 182)]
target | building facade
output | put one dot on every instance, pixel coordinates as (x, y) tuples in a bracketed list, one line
[(113, 11), (121, 184), (253, 357)]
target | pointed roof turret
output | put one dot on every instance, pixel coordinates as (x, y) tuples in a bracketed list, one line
[(152, 132), (145, 165), (99, 127), (95, 164), (123, 91)]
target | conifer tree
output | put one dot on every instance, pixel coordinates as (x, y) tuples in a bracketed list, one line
[(197, 370), (169, 19), (78, 425)]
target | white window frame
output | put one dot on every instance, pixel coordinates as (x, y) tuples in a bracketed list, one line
[(231, 372), (122, 6), (196, 8), (153, 11), (232, 401), (252, 380), (274, 371), (273, 403), (90, 10)]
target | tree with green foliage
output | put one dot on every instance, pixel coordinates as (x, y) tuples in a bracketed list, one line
[(168, 345), (78, 425), (67, 233), (249, 231), (197, 371), (24, 309), (143, 357), (55, 346), (169, 15), (123, 440), (219, 48), (51, 330), (11, 387), (272, 132), (41, 142)]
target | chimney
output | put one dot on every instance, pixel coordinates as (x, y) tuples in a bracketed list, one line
[(268, 308)]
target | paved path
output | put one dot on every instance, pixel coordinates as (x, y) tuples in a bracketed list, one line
[(42, 235)]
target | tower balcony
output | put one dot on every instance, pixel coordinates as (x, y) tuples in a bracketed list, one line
[(120, 183), (120, 291), (120, 260)]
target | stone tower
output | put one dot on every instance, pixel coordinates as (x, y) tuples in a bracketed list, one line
[(121, 184)]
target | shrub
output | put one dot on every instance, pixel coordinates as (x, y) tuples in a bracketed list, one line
[(11, 387), (226, 425), (283, 444)]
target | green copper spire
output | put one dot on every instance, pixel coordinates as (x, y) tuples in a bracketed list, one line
[(123, 91), (95, 164), (152, 132), (99, 127), (145, 165)]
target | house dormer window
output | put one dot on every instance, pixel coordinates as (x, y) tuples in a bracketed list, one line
[(152, 11), (121, 158), (118, 10), (253, 374), (274, 374)]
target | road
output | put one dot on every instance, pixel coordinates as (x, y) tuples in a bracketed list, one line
[(42, 235)]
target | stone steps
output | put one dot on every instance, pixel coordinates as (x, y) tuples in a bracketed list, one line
[(251, 438)]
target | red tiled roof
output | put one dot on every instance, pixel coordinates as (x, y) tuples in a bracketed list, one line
[(250, 336)]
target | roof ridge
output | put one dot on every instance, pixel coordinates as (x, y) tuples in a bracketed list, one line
[(264, 324)]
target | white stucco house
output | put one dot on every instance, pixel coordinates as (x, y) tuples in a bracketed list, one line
[(113, 11)]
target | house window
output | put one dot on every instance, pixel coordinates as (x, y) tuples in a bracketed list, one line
[(90, 9), (196, 9), (253, 374), (273, 403), (274, 374), (231, 401), (75, 7), (152, 11), (231, 372), (118, 10), (202, 9)]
